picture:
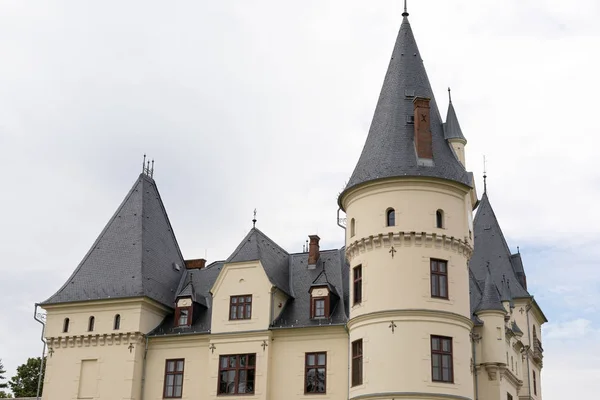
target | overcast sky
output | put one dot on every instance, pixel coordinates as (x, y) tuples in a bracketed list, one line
[(266, 104)]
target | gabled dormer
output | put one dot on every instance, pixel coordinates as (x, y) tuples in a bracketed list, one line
[(188, 303), (323, 297)]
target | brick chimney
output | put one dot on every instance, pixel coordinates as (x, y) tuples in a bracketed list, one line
[(313, 250), (195, 264), (422, 128)]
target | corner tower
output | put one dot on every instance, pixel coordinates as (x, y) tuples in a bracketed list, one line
[(409, 208)]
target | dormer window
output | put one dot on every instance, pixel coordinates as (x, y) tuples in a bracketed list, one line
[(183, 313), (319, 302), (390, 217)]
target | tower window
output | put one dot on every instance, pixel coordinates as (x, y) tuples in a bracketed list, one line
[(117, 324), (66, 325), (91, 322), (357, 362), (352, 227), (315, 366), (441, 359), (439, 218), (391, 217), (357, 288), (439, 278)]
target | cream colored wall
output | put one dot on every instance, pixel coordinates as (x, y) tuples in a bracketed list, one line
[(118, 353), (289, 347), (279, 300), (194, 350), (493, 343), (400, 361), (247, 278), (459, 149)]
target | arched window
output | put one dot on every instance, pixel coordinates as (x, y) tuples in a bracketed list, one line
[(352, 227), (66, 325), (117, 322), (390, 217), (439, 218), (91, 323)]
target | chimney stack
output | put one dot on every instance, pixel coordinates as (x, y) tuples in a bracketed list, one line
[(313, 250), (195, 264), (422, 128)]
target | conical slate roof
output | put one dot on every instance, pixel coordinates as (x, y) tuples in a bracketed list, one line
[(389, 150), (491, 247), (452, 127), (275, 260), (135, 255), (490, 298)]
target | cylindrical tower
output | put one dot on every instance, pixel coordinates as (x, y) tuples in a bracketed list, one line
[(408, 241)]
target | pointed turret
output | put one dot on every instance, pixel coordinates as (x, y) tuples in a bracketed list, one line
[(136, 255), (490, 298), (406, 137), (453, 133)]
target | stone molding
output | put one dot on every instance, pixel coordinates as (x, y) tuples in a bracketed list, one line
[(94, 340), (407, 239), (411, 314)]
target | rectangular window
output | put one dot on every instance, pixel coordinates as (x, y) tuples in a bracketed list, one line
[(439, 278), (357, 362), (534, 383), (182, 316), (173, 379), (240, 307), (319, 307), (237, 373), (509, 396), (441, 359), (358, 284), (315, 374)]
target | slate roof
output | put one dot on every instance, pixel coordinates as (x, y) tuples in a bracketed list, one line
[(389, 150), (133, 256), (490, 298), (451, 126), (258, 246), (491, 247)]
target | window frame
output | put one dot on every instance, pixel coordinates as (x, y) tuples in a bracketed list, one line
[(117, 322), (436, 276), (237, 369), (390, 212), (356, 374), (66, 323), (91, 323), (357, 284), (244, 304), (178, 312), (316, 367), (439, 219), (442, 353), (313, 307), (175, 373)]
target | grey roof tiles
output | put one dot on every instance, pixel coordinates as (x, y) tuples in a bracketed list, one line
[(389, 150), (134, 255), (490, 298), (451, 126)]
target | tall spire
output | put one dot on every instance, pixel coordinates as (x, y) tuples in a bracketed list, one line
[(405, 13)]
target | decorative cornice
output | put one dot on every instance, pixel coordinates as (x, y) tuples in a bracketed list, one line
[(407, 239), (94, 340), (386, 315), (409, 395)]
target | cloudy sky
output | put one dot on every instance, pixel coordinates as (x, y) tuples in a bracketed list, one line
[(266, 104)]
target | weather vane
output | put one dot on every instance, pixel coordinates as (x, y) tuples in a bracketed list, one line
[(484, 176), (254, 219), (146, 169)]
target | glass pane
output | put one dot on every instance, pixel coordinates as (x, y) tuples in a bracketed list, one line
[(170, 366), (233, 312), (177, 391), (180, 365), (310, 381), (170, 380), (434, 266), (442, 266), (437, 374), (223, 362), (443, 286), (240, 312), (251, 360), (248, 311), (434, 286), (445, 374), (233, 300), (435, 360), (321, 380), (446, 362), (249, 299), (169, 391), (232, 361), (435, 343), (310, 360), (446, 345), (242, 382), (243, 361), (250, 381), (230, 381), (322, 359), (178, 380)]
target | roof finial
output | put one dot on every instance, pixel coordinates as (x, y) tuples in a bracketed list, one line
[(144, 163), (405, 13), (254, 219), (484, 176), (450, 95)]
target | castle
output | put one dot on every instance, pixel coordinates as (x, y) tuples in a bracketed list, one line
[(422, 302)]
